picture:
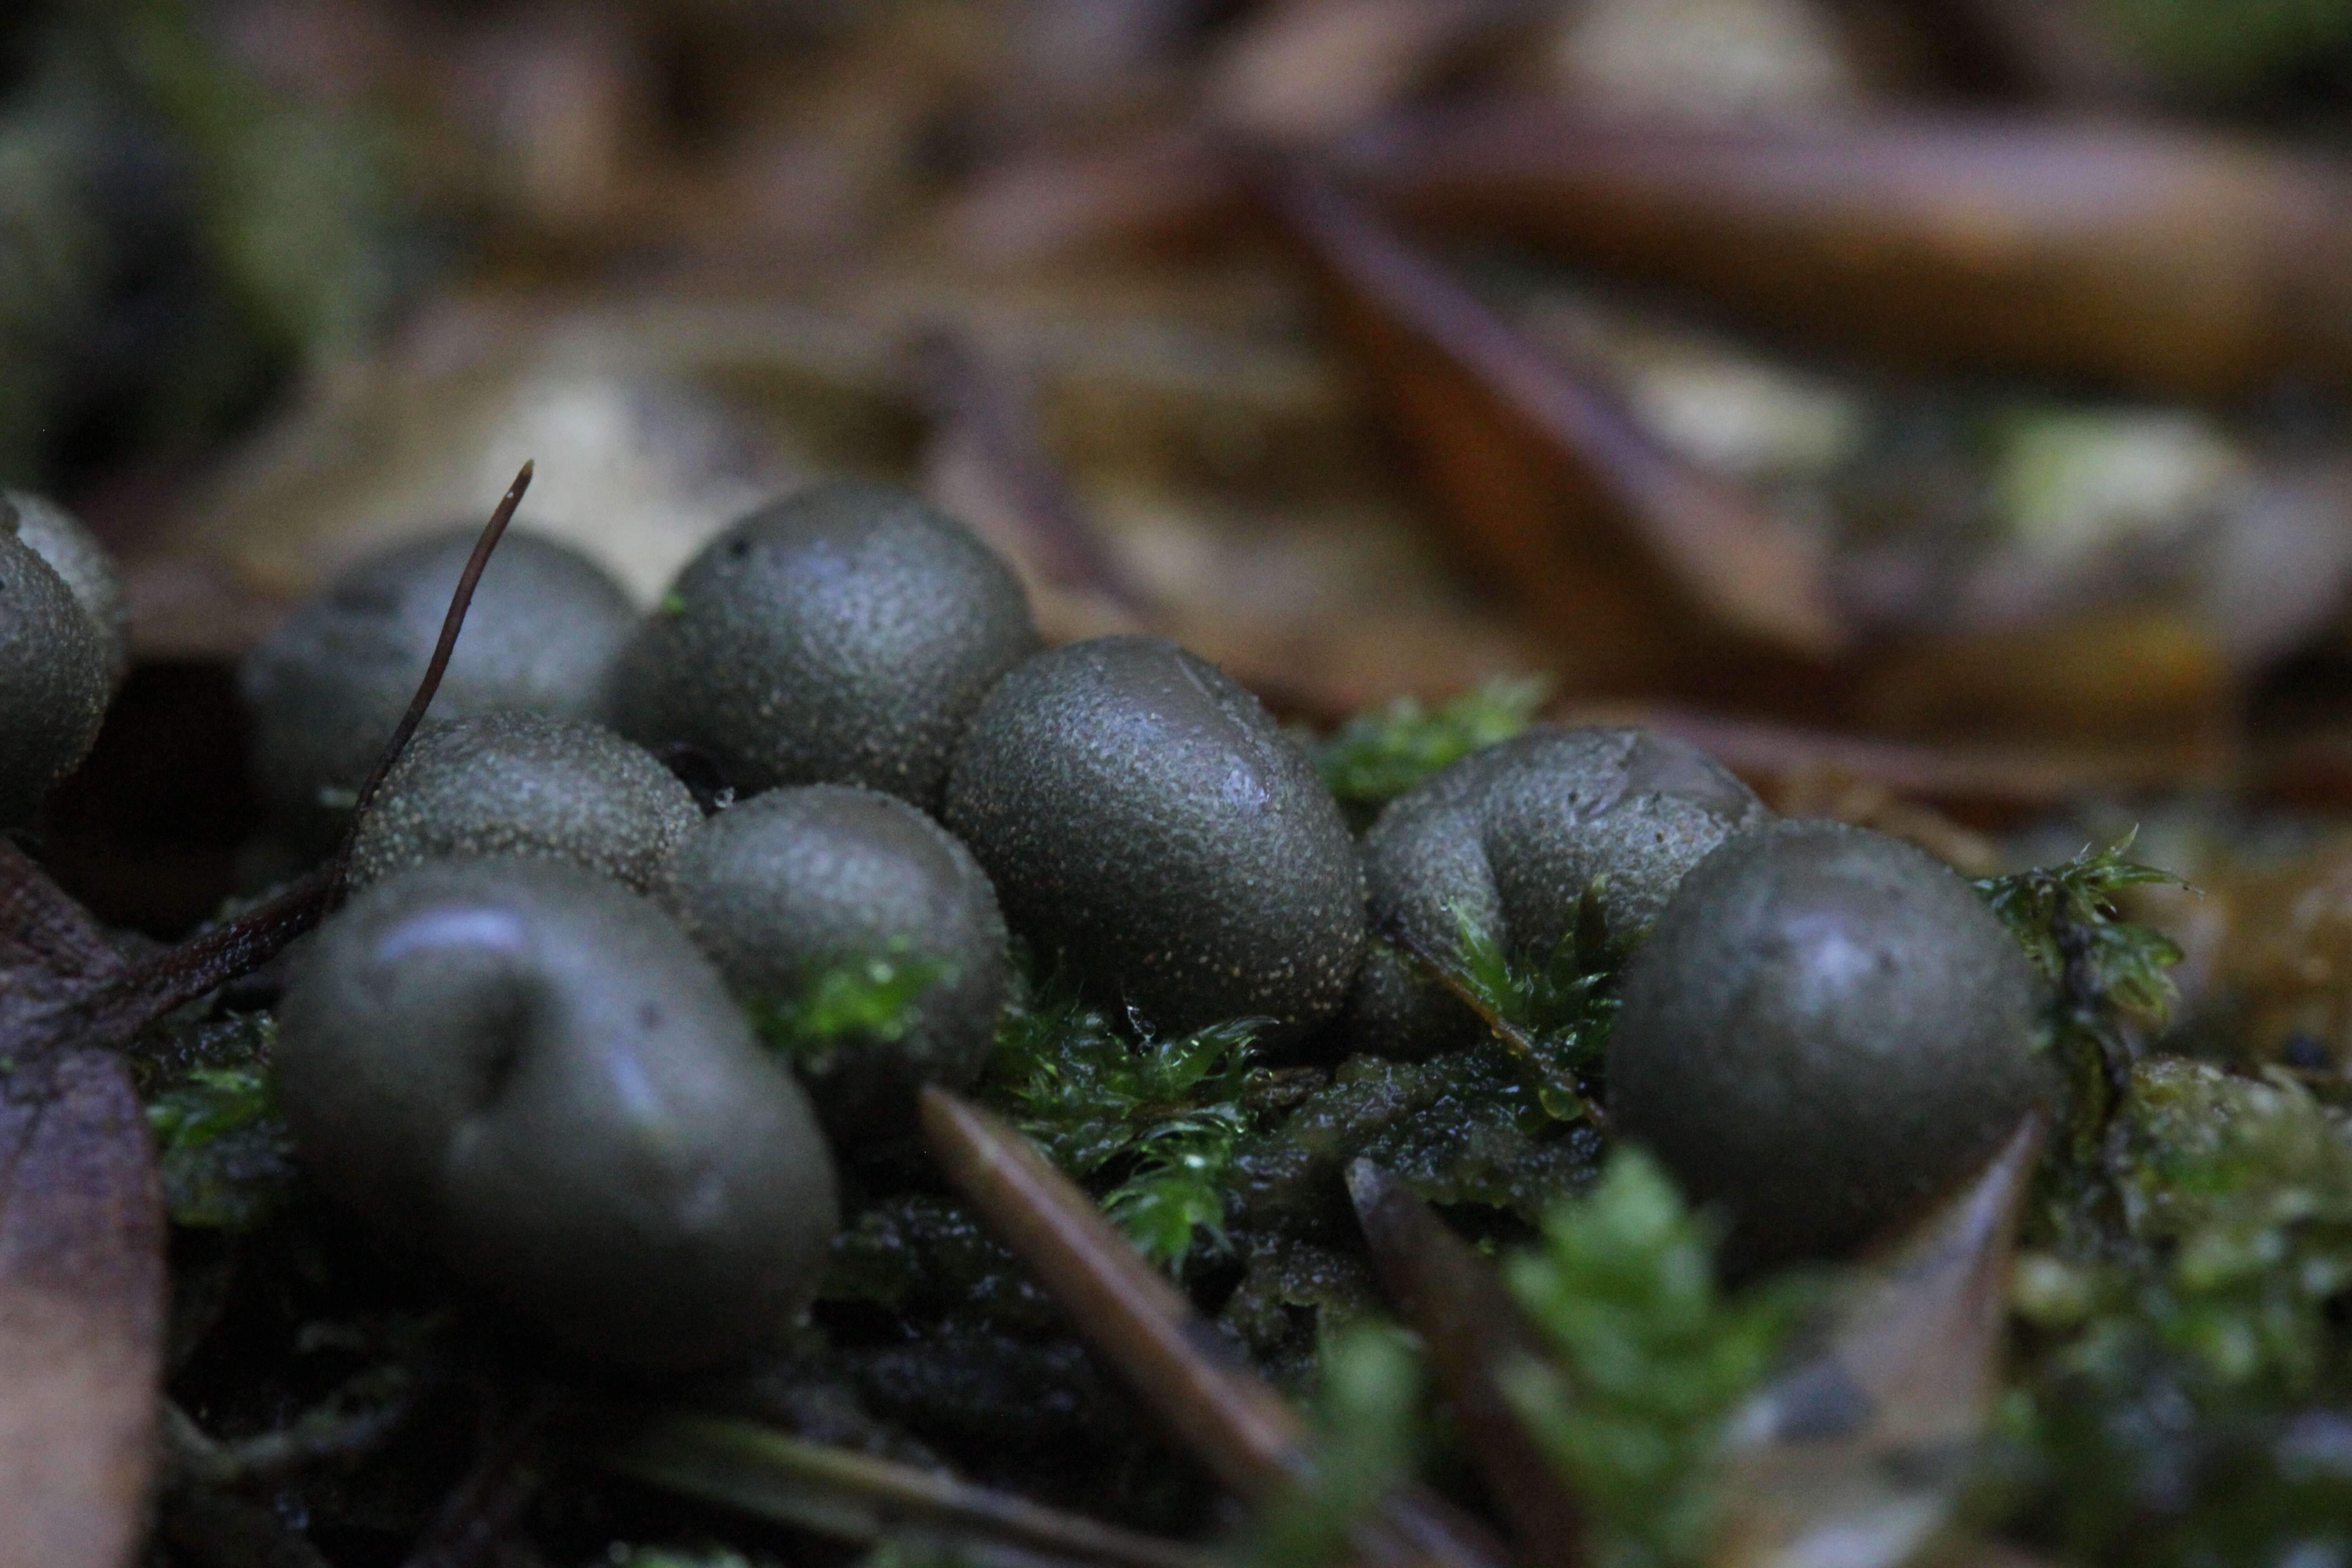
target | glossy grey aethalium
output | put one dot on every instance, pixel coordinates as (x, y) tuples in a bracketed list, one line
[(1145, 821), (840, 636), (328, 688), (1825, 1028), (526, 784), (1509, 838), (529, 1073), (54, 679), (74, 553), (794, 882)]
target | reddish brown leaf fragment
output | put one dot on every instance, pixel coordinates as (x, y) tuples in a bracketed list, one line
[(1631, 555), (81, 1313), (110, 1018), (1469, 1326), (50, 949), (1845, 1459)]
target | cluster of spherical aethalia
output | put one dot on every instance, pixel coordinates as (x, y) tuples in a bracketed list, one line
[(65, 643), (533, 986)]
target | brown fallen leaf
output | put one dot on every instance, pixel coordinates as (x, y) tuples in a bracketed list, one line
[(82, 1275), (1646, 573), (81, 1262), (1856, 1458), (2132, 675), (1995, 779), (81, 1312), (1161, 185), (2167, 259)]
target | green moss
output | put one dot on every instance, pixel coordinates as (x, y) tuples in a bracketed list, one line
[(1366, 1436), (299, 209), (1467, 1130), (1378, 755), (1651, 1361), (2110, 979), (1556, 1016), (225, 1158), (1150, 1123), (2186, 1402), (2220, 50), (874, 1000)]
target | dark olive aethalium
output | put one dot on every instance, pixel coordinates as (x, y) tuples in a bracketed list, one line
[(840, 636), (1145, 821), (54, 677), (1825, 1027), (328, 688), (526, 784), (1509, 838), (795, 882), (527, 1072), (74, 553)]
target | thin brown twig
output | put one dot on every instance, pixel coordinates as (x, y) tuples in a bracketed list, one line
[(774, 1474), (451, 624), (1130, 1314), (1472, 1330), (108, 1015)]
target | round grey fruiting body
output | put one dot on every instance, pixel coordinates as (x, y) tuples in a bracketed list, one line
[(840, 636), (329, 687), (1509, 838), (74, 553), (525, 783), (796, 883), (1826, 1028), (528, 1071), (1145, 821), (53, 679)]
